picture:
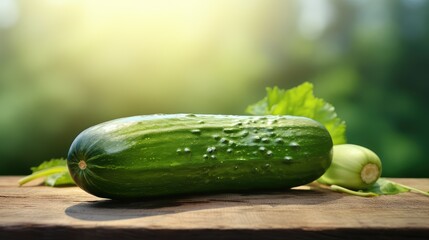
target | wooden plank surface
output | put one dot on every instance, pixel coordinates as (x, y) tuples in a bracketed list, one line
[(305, 212)]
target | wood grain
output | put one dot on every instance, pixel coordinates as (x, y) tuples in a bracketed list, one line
[(306, 212)]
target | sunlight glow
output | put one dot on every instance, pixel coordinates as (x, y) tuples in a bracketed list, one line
[(315, 17)]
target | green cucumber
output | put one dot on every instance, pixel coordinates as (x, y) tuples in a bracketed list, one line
[(175, 154)]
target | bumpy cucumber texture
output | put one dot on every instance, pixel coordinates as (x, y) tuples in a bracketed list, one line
[(174, 154)]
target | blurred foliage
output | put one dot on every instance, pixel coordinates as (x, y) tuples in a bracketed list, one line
[(66, 65)]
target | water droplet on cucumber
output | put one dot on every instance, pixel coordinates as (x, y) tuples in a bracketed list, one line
[(238, 124), (270, 129), (230, 130), (196, 131), (294, 145), (256, 139), (211, 149), (244, 133)]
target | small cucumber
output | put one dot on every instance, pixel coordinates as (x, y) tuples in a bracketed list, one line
[(176, 154)]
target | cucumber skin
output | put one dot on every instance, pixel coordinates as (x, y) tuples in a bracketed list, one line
[(175, 154)]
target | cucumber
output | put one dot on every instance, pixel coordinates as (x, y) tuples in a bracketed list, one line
[(175, 154)]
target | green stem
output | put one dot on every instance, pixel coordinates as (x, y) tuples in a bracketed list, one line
[(413, 189), (357, 193), (42, 173)]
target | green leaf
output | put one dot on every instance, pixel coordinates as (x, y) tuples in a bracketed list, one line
[(54, 171), (387, 187), (381, 187), (300, 101), (391, 187), (59, 179), (51, 163)]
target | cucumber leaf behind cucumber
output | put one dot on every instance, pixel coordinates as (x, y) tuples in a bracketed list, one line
[(54, 171), (300, 101)]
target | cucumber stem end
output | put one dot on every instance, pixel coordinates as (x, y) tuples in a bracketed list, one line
[(82, 165), (370, 173)]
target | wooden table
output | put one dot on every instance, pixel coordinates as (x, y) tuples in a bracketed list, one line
[(306, 212)]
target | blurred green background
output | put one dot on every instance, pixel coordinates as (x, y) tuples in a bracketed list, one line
[(68, 64)]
